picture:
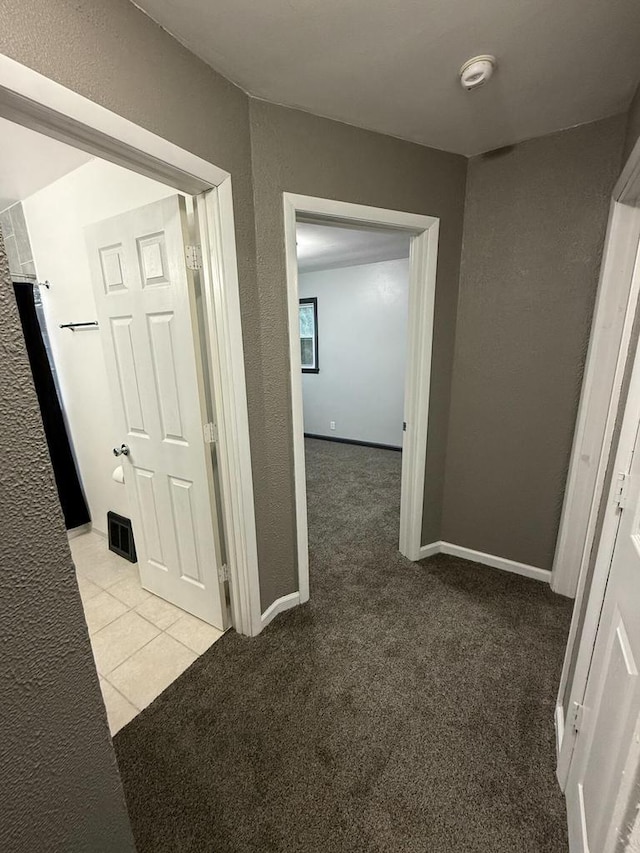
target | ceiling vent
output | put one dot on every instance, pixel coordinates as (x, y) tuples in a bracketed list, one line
[(475, 72)]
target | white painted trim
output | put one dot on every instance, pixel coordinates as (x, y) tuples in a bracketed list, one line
[(299, 467), (604, 556), (575, 752), (606, 358), (34, 101), (330, 209), (492, 560), (95, 530), (496, 562), (559, 726), (422, 285), (627, 188), (615, 314), (422, 292), (565, 743), (221, 293), (429, 550), (278, 606)]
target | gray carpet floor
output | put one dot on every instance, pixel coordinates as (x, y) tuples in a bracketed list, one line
[(407, 708)]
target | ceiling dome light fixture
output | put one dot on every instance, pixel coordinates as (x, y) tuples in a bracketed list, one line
[(475, 72)]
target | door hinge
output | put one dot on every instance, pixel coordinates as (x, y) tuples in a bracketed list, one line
[(404, 426), (223, 573), (193, 254), (210, 433), (622, 489), (577, 716)]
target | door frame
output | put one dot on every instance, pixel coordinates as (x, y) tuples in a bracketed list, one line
[(34, 101), (422, 287), (629, 420), (599, 416), (606, 356)]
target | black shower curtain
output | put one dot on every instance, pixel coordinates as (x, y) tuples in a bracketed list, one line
[(72, 500)]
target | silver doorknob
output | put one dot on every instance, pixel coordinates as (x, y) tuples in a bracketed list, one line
[(123, 450)]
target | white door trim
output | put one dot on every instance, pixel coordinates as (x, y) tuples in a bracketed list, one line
[(600, 387), (606, 357), (222, 304), (34, 101), (422, 286), (576, 758), (286, 602), (615, 314)]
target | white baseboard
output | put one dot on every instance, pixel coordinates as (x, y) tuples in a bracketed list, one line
[(429, 550), (544, 575), (559, 727), (503, 563), (534, 572), (280, 604), (102, 533)]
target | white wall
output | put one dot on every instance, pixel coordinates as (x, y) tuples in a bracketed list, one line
[(362, 332), (55, 219)]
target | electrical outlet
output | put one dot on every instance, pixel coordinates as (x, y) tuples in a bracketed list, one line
[(332, 424)]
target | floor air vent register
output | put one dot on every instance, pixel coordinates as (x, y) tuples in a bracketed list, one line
[(121, 536)]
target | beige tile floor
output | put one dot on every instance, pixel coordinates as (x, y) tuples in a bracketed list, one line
[(140, 642)]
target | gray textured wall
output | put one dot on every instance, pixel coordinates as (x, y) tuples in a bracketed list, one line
[(534, 228), (297, 152), (632, 131), (61, 789)]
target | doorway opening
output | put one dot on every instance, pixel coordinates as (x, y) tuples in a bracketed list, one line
[(33, 101), (354, 292), (600, 461), (361, 346), (111, 308)]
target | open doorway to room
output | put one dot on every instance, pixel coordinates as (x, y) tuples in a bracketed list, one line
[(361, 289), (353, 287), (109, 296)]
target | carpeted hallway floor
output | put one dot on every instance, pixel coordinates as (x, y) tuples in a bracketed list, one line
[(408, 708)]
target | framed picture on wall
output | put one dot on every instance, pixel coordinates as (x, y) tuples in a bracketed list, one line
[(309, 335)]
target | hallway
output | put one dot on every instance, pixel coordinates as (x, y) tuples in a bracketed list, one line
[(406, 708)]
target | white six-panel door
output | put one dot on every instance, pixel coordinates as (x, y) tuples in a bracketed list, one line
[(603, 789), (146, 311)]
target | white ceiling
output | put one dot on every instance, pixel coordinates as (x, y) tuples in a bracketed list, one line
[(30, 161), (393, 66), (321, 247)]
